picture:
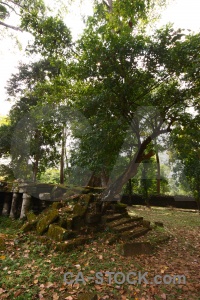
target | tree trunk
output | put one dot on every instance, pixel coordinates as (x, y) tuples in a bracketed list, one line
[(158, 173), (130, 192), (115, 188), (95, 181), (104, 178), (37, 155), (108, 3), (198, 195), (145, 184), (62, 158), (35, 168)]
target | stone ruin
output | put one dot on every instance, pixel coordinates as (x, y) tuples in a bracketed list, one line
[(71, 220), (66, 218)]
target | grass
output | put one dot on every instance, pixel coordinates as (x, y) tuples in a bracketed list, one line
[(170, 216), (30, 269)]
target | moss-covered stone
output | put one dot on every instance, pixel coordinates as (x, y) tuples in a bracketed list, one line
[(46, 219), (28, 226), (57, 233), (81, 207), (58, 191), (70, 197), (120, 207), (146, 223), (62, 222), (31, 217), (85, 199), (69, 223), (76, 222), (96, 190), (92, 218), (57, 205), (72, 244), (79, 210)]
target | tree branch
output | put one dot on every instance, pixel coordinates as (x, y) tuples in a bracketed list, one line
[(109, 5), (15, 3), (10, 7), (10, 26)]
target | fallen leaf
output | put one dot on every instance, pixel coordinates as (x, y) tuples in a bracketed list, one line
[(49, 284), (16, 294), (2, 291), (55, 296)]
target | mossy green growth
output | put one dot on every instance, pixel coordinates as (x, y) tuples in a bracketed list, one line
[(58, 233), (79, 210), (62, 222), (57, 205), (29, 226), (70, 196), (119, 204), (120, 207), (76, 222), (47, 218), (81, 207), (31, 217)]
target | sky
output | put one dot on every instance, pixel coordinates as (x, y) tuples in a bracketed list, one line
[(183, 13)]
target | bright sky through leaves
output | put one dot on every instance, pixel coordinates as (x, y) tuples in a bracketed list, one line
[(183, 13)]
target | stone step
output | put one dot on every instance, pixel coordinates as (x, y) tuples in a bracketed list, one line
[(110, 218), (135, 233), (119, 222), (137, 219), (125, 227)]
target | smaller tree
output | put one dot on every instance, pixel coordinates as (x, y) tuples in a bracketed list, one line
[(186, 139)]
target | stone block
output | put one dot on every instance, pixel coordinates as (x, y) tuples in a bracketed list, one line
[(45, 196), (28, 226), (46, 219), (120, 207), (69, 223), (92, 218), (146, 223), (58, 233), (77, 222), (137, 248), (31, 217), (57, 205), (81, 207), (135, 233), (72, 244), (160, 224), (88, 296), (62, 222)]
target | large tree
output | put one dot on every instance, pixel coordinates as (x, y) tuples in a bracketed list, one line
[(144, 81)]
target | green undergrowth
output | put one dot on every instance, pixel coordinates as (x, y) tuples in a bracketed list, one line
[(30, 268)]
